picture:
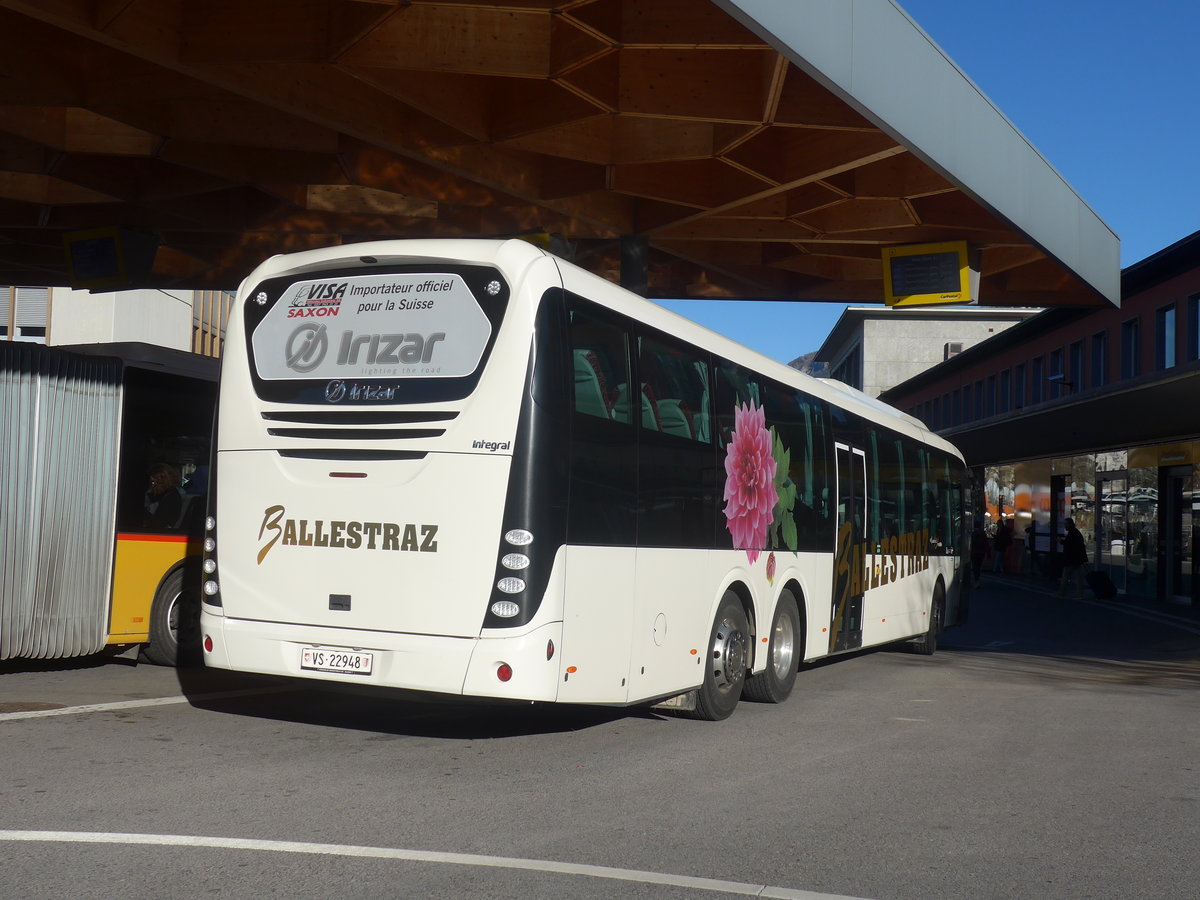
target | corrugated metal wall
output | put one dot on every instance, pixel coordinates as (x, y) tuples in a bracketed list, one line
[(59, 424)]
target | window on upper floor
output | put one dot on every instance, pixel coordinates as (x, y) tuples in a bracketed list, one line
[(1099, 359), (1056, 376), (1131, 349), (1164, 337), (1004, 395), (1037, 389), (1193, 327), (1019, 386), (1075, 366)]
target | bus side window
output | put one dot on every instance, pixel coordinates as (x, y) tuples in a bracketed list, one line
[(675, 384), (735, 387), (601, 368)]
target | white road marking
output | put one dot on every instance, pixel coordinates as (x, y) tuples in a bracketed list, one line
[(426, 856), (131, 704)]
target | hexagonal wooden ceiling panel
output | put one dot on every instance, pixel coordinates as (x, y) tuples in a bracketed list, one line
[(234, 129)]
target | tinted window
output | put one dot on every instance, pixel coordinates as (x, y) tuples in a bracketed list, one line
[(604, 458)]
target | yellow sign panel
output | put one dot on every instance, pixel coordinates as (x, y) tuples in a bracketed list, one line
[(928, 274)]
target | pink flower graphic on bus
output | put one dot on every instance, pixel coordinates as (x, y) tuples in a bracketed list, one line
[(750, 494)]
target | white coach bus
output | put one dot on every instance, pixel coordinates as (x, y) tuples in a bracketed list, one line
[(470, 467)]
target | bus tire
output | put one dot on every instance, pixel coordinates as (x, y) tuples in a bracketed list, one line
[(725, 668), (927, 643), (171, 621), (775, 682)]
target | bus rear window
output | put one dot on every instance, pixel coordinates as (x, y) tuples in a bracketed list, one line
[(398, 336)]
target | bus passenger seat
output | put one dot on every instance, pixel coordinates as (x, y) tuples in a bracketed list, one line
[(675, 417), (591, 395), (650, 416)]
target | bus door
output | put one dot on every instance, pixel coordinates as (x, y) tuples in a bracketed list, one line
[(846, 615)]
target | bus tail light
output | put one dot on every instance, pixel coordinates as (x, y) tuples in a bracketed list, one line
[(549, 650), (510, 585), (211, 587), (505, 609)]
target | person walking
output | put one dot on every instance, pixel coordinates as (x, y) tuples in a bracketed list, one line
[(1074, 560), (979, 549), (1000, 544)]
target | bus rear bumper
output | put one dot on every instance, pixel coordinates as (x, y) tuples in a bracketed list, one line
[(470, 666)]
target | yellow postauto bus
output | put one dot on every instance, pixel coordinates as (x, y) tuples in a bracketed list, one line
[(102, 497)]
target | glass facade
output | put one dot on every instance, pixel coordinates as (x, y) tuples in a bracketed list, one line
[(1138, 511)]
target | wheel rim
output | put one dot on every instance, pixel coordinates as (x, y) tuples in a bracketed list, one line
[(783, 647), (728, 654), (173, 617)]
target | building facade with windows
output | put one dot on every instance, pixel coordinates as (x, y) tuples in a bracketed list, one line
[(873, 348), (180, 320), (1092, 414)]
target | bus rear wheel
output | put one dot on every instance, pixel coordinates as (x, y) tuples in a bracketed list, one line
[(725, 671), (774, 684), (174, 622)]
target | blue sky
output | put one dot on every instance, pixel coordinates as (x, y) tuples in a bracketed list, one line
[(1106, 91)]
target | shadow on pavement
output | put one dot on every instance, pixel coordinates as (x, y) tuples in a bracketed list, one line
[(1023, 626), (387, 711)]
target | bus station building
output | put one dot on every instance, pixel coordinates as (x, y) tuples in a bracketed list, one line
[(1090, 414)]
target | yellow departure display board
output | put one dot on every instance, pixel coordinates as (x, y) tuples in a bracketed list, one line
[(929, 274)]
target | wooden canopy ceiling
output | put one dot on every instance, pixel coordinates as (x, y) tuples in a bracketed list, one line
[(235, 129)]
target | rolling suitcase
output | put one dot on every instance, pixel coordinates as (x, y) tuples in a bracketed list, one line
[(1101, 585)]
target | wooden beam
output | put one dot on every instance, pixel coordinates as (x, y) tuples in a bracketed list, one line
[(469, 39), (622, 139), (75, 130), (703, 183), (47, 190), (813, 176), (704, 85), (665, 24), (858, 215)]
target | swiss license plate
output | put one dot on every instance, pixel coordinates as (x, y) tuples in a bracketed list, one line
[(331, 659)]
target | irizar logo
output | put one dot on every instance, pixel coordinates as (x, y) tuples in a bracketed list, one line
[(308, 344), (343, 534), (384, 349), (306, 347), (492, 446), (337, 391)]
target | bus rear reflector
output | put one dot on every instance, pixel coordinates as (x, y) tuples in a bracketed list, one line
[(504, 671)]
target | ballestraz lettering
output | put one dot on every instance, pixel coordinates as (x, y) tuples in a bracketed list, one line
[(343, 534)]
